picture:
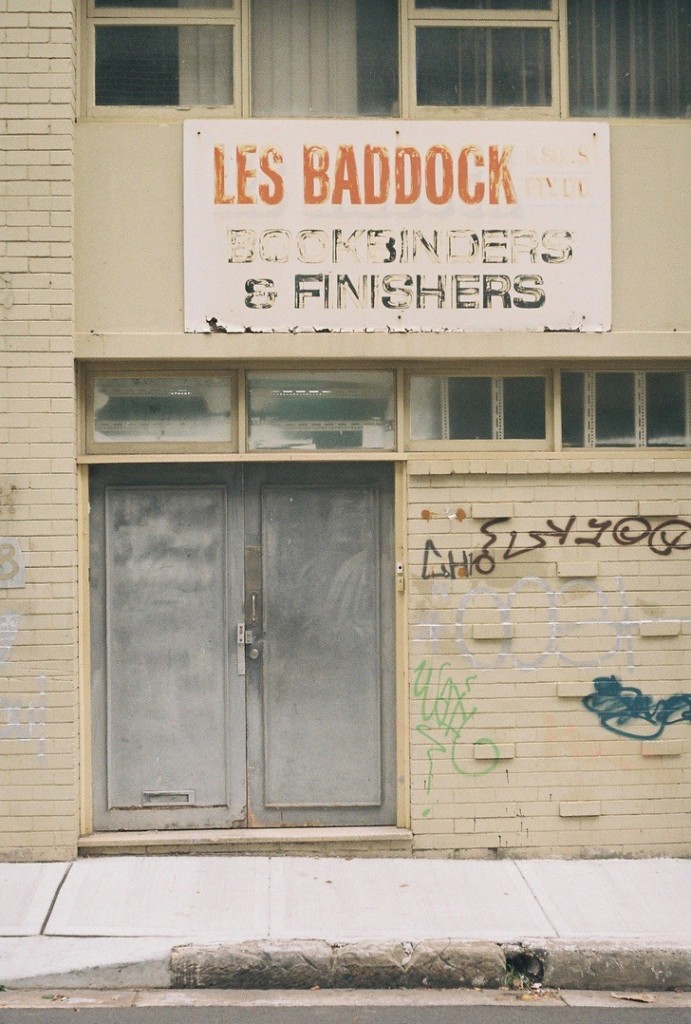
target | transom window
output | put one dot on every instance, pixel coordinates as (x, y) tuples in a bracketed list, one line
[(478, 409), (224, 410), (625, 409), (320, 58)]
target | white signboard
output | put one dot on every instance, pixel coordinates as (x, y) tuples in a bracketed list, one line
[(396, 226)]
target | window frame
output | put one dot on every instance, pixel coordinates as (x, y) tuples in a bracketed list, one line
[(450, 15), (483, 444), (440, 18), (485, 113), (95, 372), (333, 373), (235, 17), (640, 433)]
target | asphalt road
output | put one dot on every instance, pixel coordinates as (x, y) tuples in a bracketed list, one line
[(348, 1014)]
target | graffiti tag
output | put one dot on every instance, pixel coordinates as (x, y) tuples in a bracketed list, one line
[(627, 711), (668, 536), (26, 723), (611, 626), (9, 625), (445, 715), (454, 567)]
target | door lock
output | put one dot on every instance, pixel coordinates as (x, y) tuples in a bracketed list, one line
[(249, 645)]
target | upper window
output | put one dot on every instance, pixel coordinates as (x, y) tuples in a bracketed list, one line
[(309, 58), (322, 58), (165, 53), (630, 58), (481, 56)]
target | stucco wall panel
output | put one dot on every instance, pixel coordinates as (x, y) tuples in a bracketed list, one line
[(130, 258)]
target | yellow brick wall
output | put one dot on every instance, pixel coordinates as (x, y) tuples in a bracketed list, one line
[(38, 639), (504, 654), (506, 759)]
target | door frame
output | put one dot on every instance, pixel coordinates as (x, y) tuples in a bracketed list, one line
[(402, 709)]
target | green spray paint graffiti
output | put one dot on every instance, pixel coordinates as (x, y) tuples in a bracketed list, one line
[(444, 717)]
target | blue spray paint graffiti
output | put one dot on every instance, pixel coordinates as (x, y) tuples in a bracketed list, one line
[(627, 711)]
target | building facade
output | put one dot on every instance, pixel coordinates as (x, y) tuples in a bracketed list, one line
[(345, 415)]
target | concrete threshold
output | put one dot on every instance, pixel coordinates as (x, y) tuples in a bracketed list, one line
[(380, 841)]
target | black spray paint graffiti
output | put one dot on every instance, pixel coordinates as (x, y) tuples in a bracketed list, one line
[(668, 536), (444, 717), (627, 711)]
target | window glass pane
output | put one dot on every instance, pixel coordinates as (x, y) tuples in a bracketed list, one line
[(318, 58), (630, 59), (615, 409), (483, 67), (428, 408), (572, 410), (665, 407), (311, 410), (484, 5), (377, 57), (164, 65), (524, 408), (226, 5), (470, 408), (162, 409)]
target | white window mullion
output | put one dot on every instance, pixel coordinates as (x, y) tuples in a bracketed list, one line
[(590, 426), (498, 408), (640, 411), (446, 426)]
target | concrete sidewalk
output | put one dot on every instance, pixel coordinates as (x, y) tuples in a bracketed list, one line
[(259, 922)]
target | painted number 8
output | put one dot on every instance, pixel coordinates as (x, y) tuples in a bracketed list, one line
[(9, 566)]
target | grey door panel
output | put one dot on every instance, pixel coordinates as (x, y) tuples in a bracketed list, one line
[(169, 736), (321, 694)]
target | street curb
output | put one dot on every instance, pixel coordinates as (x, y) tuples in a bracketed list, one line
[(552, 964), (318, 964), (609, 965)]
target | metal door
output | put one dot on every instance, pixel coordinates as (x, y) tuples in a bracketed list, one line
[(320, 604), (295, 723)]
